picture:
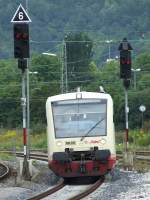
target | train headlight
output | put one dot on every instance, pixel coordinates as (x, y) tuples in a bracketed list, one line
[(79, 95), (103, 141), (59, 143)]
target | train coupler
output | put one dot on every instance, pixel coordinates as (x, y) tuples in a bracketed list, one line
[(82, 164)]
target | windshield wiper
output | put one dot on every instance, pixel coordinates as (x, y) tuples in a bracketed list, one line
[(92, 129)]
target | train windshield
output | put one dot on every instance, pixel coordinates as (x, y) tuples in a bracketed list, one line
[(76, 118)]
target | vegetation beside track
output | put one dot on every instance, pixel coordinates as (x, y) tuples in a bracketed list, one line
[(47, 83), (13, 140), (138, 140)]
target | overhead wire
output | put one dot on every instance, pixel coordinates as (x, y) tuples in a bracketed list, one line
[(70, 81), (89, 41), (32, 99)]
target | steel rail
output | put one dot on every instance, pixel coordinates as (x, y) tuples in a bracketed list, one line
[(20, 152), (62, 184), (143, 153), (88, 191), (137, 157), (35, 154), (35, 157), (141, 157), (48, 192), (44, 153), (39, 156), (4, 171), (137, 152), (42, 157)]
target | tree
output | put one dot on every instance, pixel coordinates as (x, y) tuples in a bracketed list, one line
[(45, 84), (10, 94), (78, 57)]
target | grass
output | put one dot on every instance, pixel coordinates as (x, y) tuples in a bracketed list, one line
[(5, 156), (137, 140), (141, 166), (13, 140), (131, 147)]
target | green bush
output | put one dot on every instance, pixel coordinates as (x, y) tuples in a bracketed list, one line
[(140, 138), (38, 128), (144, 140), (39, 141), (147, 126), (137, 139)]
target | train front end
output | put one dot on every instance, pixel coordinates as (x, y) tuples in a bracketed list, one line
[(80, 129)]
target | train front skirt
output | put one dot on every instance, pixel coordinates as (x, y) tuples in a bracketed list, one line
[(63, 166)]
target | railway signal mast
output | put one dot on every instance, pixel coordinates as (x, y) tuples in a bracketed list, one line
[(20, 22), (125, 74)]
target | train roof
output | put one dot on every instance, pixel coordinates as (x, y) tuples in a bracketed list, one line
[(74, 95)]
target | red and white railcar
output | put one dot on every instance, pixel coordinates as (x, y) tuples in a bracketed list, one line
[(81, 138)]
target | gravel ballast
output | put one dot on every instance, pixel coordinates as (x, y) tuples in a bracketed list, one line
[(125, 185), (129, 186), (43, 178)]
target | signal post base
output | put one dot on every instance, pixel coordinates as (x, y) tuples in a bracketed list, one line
[(25, 169), (128, 159)]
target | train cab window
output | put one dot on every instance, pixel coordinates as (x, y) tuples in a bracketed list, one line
[(75, 118)]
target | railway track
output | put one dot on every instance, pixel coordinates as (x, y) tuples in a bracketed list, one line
[(89, 190), (4, 171), (61, 184), (37, 156), (137, 157), (48, 194), (143, 153), (137, 152), (53, 191)]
